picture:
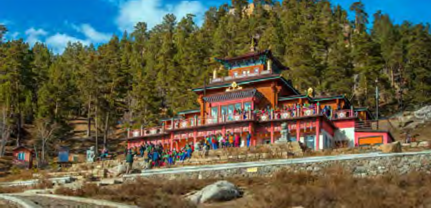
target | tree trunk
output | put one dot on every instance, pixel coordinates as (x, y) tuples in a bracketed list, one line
[(89, 119), (43, 150), (5, 132), (37, 157), (97, 132), (105, 132), (18, 137)]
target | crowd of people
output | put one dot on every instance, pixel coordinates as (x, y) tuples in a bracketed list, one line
[(156, 156), (217, 141)]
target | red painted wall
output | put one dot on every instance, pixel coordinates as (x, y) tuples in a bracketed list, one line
[(28, 156), (345, 123), (328, 128)]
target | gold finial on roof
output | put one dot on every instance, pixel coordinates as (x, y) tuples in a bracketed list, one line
[(233, 86), (253, 45), (310, 92)]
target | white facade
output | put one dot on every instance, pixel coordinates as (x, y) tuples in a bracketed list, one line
[(325, 136)]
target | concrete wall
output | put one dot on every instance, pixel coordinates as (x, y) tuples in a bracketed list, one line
[(364, 165)]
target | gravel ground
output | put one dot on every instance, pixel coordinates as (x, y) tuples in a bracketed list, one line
[(58, 203)]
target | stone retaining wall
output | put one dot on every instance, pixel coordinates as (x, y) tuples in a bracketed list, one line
[(401, 163)]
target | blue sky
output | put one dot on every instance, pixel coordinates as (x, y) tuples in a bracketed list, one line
[(56, 22)]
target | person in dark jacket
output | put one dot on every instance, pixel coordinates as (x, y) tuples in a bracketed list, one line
[(129, 161), (142, 150)]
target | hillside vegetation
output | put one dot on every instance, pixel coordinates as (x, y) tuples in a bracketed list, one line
[(144, 75)]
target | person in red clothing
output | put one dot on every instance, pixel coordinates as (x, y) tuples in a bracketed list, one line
[(236, 142)]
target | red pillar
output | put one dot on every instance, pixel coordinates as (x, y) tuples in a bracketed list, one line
[(298, 136), (172, 141), (223, 131), (272, 132), (219, 114), (195, 133), (317, 133), (253, 136)]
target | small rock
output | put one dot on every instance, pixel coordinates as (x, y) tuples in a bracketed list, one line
[(423, 144)]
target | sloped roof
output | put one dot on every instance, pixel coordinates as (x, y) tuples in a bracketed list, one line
[(248, 80), (234, 95), (267, 53)]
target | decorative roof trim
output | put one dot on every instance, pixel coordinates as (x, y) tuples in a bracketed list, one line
[(249, 82), (190, 111)]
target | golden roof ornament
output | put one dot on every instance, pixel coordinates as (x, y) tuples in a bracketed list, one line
[(310, 92), (233, 86)]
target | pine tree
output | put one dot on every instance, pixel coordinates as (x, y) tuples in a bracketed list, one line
[(3, 30)]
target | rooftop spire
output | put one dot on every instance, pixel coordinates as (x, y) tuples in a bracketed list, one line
[(253, 45)]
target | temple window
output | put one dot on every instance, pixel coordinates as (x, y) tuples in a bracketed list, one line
[(21, 156), (238, 106), (256, 70), (235, 74), (214, 112), (247, 106)]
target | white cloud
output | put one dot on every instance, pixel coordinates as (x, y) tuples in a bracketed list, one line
[(58, 42), (91, 34), (34, 35), (153, 11)]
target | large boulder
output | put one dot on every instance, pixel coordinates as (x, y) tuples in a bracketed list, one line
[(219, 191), (118, 170), (391, 147)]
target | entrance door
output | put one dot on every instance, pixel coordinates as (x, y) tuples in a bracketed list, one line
[(230, 112), (224, 113), (214, 114), (309, 141)]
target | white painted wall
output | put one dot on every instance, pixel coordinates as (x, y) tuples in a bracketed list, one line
[(322, 135), (346, 134)]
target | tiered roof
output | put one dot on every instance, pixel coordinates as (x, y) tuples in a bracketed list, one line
[(263, 55)]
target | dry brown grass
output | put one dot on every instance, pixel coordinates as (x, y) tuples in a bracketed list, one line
[(12, 189), (335, 188), (338, 188), (142, 192), (17, 174)]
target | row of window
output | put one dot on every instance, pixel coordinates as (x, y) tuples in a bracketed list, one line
[(245, 72), (229, 109)]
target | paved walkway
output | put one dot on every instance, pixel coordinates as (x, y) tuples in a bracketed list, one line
[(189, 169), (48, 200)]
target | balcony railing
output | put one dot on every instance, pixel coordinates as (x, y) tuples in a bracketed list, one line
[(147, 132), (193, 122), (229, 78), (263, 115)]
